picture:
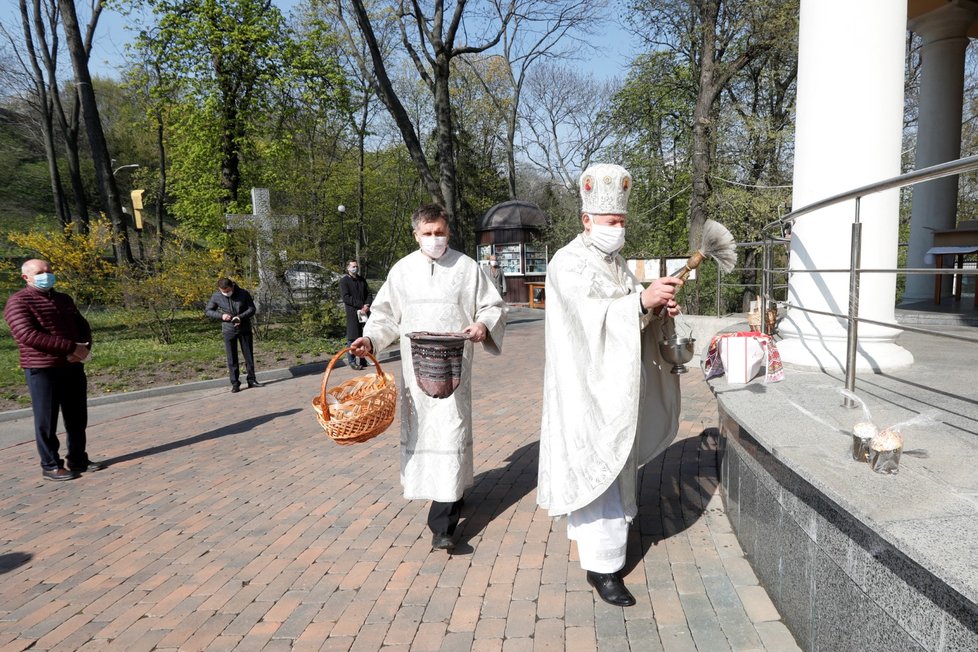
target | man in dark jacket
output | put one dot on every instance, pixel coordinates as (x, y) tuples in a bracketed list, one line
[(356, 299), (54, 340), (234, 308)]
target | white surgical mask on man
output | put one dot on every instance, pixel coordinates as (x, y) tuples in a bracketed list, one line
[(353, 270), (434, 246), (608, 239)]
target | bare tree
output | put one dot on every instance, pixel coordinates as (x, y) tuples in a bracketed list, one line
[(536, 33), (432, 42), (39, 100), (108, 191), (566, 116), (69, 121), (40, 22), (366, 105)]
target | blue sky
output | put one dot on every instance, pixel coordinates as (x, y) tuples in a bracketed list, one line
[(616, 51)]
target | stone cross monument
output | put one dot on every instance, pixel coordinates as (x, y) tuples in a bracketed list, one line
[(271, 291)]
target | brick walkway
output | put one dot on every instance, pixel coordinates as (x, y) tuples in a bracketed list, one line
[(230, 522)]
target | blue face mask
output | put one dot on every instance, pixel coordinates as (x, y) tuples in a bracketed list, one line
[(44, 281)]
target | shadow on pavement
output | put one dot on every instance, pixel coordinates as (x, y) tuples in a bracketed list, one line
[(495, 491), (12, 560), (231, 429), (674, 491)]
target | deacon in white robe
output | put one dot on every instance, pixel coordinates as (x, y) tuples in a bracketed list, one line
[(610, 403), (435, 289)]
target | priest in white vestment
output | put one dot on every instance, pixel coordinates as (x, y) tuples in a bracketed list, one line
[(435, 289), (610, 403)]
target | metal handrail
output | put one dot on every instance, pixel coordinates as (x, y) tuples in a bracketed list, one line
[(966, 164), (938, 171)]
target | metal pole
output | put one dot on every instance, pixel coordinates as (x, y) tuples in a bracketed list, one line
[(719, 286), (853, 330), (765, 283)]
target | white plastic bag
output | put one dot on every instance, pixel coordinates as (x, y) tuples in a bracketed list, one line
[(742, 357)]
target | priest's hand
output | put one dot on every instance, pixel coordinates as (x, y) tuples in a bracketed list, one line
[(476, 332), (662, 292), (362, 346), (672, 309)]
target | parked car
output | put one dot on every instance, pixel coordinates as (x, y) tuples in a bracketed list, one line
[(306, 279)]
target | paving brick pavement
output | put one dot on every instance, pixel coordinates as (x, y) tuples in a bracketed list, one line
[(229, 522)]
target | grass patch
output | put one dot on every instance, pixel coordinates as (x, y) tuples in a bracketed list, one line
[(126, 357)]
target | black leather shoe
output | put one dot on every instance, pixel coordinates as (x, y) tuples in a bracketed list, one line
[(255, 383), (59, 475), (88, 468), (611, 589), (235, 389), (442, 542)]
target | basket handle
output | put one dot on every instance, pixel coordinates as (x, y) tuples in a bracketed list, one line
[(329, 368)]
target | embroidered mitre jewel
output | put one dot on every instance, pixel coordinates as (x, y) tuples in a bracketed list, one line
[(605, 189)]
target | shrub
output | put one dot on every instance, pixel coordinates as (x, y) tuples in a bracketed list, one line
[(322, 319), (78, 259), (185, 276)]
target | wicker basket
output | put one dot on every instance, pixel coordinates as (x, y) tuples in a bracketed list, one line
[(364, 405)]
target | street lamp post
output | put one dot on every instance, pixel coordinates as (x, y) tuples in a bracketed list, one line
[(341, 209), (128, 166)]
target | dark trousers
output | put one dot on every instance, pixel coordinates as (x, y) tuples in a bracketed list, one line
[(65, 389), (231, 340), (443, 517), (351, 335)]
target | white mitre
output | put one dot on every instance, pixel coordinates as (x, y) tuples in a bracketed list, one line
[(605, 189)]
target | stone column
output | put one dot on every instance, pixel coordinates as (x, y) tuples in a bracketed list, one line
[(935, 203), (848, 134)]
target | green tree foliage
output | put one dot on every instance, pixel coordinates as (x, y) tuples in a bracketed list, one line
[(221, 57), (716, 43), (709, 132)]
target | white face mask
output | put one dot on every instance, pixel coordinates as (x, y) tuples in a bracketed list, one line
[(434, 246), (608, 239)]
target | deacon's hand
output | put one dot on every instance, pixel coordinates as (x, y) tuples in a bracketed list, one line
[(362, 346), (476, 332), (662, 292)]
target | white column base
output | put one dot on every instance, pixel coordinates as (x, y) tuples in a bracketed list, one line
[(829, 354)]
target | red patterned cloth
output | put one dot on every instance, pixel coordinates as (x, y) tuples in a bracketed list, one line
[(774, 370)]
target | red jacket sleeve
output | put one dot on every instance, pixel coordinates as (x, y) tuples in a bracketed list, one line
[(26, 330)]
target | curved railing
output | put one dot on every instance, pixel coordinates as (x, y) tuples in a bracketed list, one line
[(772, 234)]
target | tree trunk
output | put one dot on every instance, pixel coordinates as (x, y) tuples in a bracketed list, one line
[(69, 134), (361, 164), (61, 207), (108, 191), (161, 195), (446, 150), (702, 157), (44, 108), (230, 161), (385, 91), (510, 152)]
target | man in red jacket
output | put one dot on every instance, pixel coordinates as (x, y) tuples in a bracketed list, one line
[(54, 340)]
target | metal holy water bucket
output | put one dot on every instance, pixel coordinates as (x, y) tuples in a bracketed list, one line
[(437, 361)]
